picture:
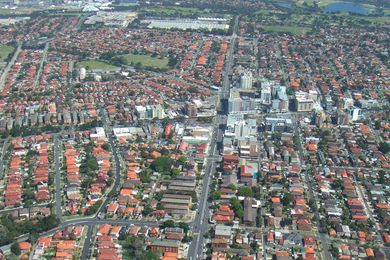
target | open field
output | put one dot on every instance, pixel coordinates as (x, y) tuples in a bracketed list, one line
[(5, 50), (265, 11), (95, 65), (18, 11), (27, 11), (292, 23), (145, 61), (286, 29)]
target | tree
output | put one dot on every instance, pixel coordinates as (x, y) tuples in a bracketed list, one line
[(147, 210), (15, 248), (256, 192), (172, 61), (94, 208), (245, 191), (334, 251), (149, 255), (28, 194), (184, 226), (169, 223), (133, 248), (255, 247), (240, 213), (237, 207), (232, 186), (287, 199), (182, 160), (384, 147), (106, 146), (199, 167), (92, 164), (175, 172), (215, 195), (162, 164), (382, 177), (144, 176)]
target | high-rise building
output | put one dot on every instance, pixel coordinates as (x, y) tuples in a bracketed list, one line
[(266, 95), (342, 117), (355, 114), (83, 73), (141, 112), (158, 111), (283, 105), (246, 81), (320, 119), (190, 109), (239, 105)]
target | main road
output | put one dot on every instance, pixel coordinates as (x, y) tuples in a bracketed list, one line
[(200, 225)]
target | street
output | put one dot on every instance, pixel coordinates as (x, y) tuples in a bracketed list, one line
[(201, 225), (58, 189)]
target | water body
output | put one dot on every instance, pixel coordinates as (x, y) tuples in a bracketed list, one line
[(284, 5), (346, 7)]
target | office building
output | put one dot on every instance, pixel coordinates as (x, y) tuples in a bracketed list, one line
[(246, 81)]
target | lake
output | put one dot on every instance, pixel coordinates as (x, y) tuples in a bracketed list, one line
[(346, 7)]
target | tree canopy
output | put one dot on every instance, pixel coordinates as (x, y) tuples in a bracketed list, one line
[(162, 164), (245, 191)]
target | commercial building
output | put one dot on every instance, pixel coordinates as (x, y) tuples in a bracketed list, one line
[(164, 245), (303, 102), (355, 114), (266, 95), (274, 124), (241, 105), (191, 109), (150, 112), (184, 24), (246, 81)]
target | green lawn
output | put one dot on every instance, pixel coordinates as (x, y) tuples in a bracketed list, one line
[(266, 11), (145, 61), (19, 11), (286, 29), (5, 50), (95, 65), (29, 10)]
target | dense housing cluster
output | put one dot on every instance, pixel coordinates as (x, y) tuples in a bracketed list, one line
[(194, 130)]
